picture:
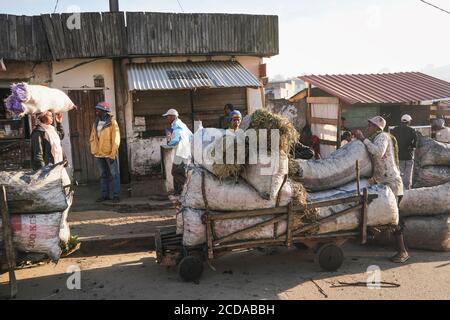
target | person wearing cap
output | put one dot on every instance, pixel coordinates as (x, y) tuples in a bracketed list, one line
[(407, 142), (105, 142), (382, 147), (441, 131), (45, 140), (235, 120), (180, 139)]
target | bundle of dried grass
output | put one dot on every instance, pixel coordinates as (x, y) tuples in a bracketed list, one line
[(300, 198), (294, 169), (263, 119), (228, 170)]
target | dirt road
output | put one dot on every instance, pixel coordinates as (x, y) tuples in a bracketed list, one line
[(288, 274)]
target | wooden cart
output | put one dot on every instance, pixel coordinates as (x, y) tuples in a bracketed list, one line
[(329, 255)]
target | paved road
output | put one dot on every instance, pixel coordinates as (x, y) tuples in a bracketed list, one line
[(287, 274)]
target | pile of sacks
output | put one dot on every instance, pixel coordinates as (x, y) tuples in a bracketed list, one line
[(425, 210), (237, 187), (431, 163), (39, 203)]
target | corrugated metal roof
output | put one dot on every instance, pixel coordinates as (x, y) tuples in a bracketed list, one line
[(189, 75), (399, 87)]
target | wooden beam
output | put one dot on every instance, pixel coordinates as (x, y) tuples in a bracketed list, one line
[(328, 142), (323, 100), (315, 120), (308, 108), (8, 242)]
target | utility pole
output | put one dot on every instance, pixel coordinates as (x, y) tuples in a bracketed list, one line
[(120, 91)]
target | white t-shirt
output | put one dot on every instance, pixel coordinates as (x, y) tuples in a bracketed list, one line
[(100, 127)]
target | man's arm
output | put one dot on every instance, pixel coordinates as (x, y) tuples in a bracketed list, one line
[(176, 137), (379, 146), (60, 130), (115, 137)]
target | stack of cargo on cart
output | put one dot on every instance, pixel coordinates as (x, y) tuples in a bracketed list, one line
[(38, 203), (233, 206)]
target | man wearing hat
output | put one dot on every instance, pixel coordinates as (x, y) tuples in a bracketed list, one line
[(105, 141), (407, 142), (383, 150), (442, 132), (180, 139)]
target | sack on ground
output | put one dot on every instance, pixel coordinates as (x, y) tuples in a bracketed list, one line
[(41, 191), (432, 153), (421, 232), (426, 201), (431, 176), (37, 233), (336, 170)]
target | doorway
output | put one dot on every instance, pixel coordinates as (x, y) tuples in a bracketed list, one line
[(81, 121)]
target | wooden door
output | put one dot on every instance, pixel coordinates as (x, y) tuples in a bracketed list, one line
[(81, 122), (325, 121)]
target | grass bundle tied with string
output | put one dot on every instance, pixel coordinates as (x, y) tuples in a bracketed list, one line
[(299, 197), (263, 119)]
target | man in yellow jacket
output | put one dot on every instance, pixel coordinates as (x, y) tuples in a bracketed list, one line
[(105, 141)]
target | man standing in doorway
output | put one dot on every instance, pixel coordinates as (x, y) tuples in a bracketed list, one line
[(383, 150), (407, 142), (105, 141), (180, 139)]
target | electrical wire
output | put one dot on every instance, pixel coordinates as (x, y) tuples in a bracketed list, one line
[(56, 6), (435, 6), (179, 3)]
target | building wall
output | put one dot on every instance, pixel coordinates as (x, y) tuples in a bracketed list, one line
[(144, 154), (75, 79), (356, 116), (35, 73)]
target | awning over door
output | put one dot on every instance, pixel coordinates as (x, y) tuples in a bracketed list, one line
[(189, 75)]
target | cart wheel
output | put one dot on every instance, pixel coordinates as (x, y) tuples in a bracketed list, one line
[(190, 268), (330, 257)]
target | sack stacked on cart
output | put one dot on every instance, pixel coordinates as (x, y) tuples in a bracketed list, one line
[(231, 195), (432, 163), (334, 171), (39, 203), (29, 99)]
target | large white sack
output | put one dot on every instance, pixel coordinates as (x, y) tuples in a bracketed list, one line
[(421, 232), (267, 179), (37, 233), (431, 176), (195, 231), (226, 194), (380, 212), (336, 170), (30, 99), (39, 191), (342, 190), (426, 201), (432, 153)]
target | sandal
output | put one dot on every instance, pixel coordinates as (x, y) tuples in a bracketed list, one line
[(400, 258)]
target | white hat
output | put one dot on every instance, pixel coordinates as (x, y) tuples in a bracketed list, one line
[(406, 118), (378, 121), (171, 112)]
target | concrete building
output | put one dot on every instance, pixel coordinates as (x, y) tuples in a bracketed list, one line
[(195, 63)]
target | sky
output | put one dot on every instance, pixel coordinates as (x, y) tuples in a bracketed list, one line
[(317, 36)]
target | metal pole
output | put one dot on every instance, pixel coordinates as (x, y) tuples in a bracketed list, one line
[(113, 5)]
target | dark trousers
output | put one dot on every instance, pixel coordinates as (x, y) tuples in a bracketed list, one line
[(109, 167), (179, 177)]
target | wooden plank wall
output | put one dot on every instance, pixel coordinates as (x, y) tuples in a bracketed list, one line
[(47, 37)]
